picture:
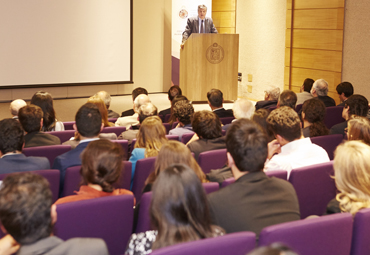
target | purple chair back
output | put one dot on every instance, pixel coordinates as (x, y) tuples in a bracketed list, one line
[(226, 120), (333, 116), (113, 120), (361, 233), (298, 107), (329, 234), (227, 182), (167, 126), (116, 130), (50, 151), (328, 142), (236, 243), (186, 137), (143, 222), (314, 186), (167, 118), (161, 117), (142, 170), (212, 160), (63, 135), (272, 108), (172, 137), (109, 218), (278, 174), (68, 125), (124, 145), (210, 187), (174, 124)]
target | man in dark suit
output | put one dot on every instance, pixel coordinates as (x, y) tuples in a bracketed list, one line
[(11, 144), (272, 95), (199, 24), (345, 90), (320, 90), (172, 93), (27, 213), (31, 119), (88, 125), (254, 201), (215, 101)]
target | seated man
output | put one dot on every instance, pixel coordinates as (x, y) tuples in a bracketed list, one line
[(305, 91), (320, 90), (133, 120), (287, 98), (183, 111), (15, 105), (345, 90), (172, 93), (31, 119), (135, 93), (242, 108), (271, 98), (103, 95), (28, 215), (11, 144), (254, 201), (207, 127), (215, 101), (293, 149)]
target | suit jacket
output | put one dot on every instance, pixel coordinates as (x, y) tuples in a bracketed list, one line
[(128, 113), (112, 114), (328, 101), (201, 145), (39, 138), (192, 26), (222, 113), (20, 163), (165, 112), (339, 128), (55, 245), (266, 104), (253, 202)]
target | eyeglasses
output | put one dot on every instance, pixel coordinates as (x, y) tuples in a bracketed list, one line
[(346, 130)]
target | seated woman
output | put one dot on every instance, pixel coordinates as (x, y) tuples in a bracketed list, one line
[(151, 137), (352, 175), (45, 102), (179, 212), (171, 153), (101, 168), (313, 114), (359, 129)]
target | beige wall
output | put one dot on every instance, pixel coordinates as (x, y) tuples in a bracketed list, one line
[(261, 27), (356, 50), (151, 56)]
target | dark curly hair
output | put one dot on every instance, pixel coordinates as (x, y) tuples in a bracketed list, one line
[(183, 111), (314, 112)]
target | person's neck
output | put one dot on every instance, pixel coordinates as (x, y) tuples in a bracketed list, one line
[(95, 186), (284, 142), (85, 138), (237, 173), (10, 153), (306, 123), (215, 108)]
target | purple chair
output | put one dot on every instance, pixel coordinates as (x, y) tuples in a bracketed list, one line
[(226, 120), (210, 187), (329, 234), (142, 170), (314, 186), (116, 130), (298, 107), (333, 116), (186, 137), (276, 173), (161, 117), (272, 108), (227, 182), (167, 118), (63, 135), (52, 175), (68, 125), (50, 151), (236, 243), (215, 159), (167, 127), (113, 120), (328, 142), (143, 221), (361, 233), (124, 145), (174, 124), (109, 218)]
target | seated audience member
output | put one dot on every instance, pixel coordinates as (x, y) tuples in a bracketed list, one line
[(359, 129), (287, 98), (179, 212), (354, 105), (133, 120), (305, 91), (173, 152), (45, 102), (273, 249), (27, 214), (254, 201), (101, 168), (104, 95), (178, 98), (151, 137), (88, 125), (293, 149), (183, 111), (271, 98), (30, 117), (172, 93), (102, 109), (242, 108), (260, 117), (14, 107), (207, 127), (344, 90), (215, 101), (320, 90), (313, 114), (137, 91), (11, 144), (352, 174)]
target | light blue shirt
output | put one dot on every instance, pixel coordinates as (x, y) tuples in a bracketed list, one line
[(136, 154)]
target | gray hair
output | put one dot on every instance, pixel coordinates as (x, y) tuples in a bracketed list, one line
[(16, 105), (321, 86), (103, 95), (202, 6), (273, 92), (148, 109), (243, 108), (140, 100)]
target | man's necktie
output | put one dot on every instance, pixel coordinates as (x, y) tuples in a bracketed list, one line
[(202, 27)]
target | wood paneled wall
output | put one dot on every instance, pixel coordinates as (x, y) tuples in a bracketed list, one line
[(314, 43), (223, 15)]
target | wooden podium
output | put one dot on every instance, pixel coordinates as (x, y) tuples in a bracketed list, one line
[(209, 61)]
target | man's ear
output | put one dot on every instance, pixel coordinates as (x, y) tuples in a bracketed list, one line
[(230, 160), (75, 127), (3, 229), (41, 123), (53, 214), (102, 126)]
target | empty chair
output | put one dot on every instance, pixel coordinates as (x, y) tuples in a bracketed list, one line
[(314, 186), (212, 160), (210, 187), (328, 142), (361, 233), (116, 130), (142, 170), (282, 174), (68, 125), (236, 243), (226, 120), (50, 152), (63, 135), (109, 218), (333, 116), (186, 138), (329, 234)]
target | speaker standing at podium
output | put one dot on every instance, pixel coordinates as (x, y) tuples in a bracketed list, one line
[(199, 24)]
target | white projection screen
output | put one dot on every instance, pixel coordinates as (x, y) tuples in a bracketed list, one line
[(65, 42)]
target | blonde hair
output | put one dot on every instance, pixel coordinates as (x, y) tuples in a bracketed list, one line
[(352, 176), (359, 129), (151, 136)]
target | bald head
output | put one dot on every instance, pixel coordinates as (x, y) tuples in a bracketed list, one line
[(140, 100), (103, 95), (243, 108), (16, 105)]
